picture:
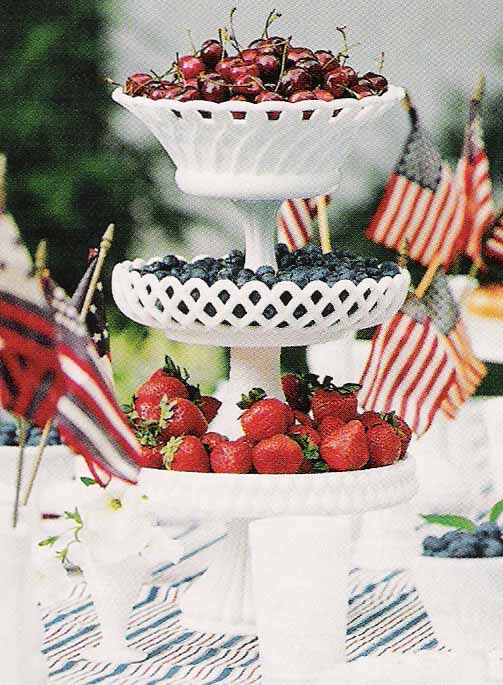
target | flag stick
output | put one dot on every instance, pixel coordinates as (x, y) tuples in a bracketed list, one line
[(429, 275), (3, 169), (479, 90), (19, 474), (323, 224), (105, 245)]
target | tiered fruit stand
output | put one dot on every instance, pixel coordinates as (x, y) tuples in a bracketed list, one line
[(258, 162)]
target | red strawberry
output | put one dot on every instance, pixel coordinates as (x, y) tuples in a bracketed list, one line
[(296, 391), (302, 418), (264, 416), (347, 449), (277, 454), (329, 425), (165, 384), (211, 440), (248, 440), (370, 418), (186, 453), (402, 429), (384, 445), (331, 401), (209, 406), (150, 457), (232, 457), (182, 417), (309, 432)]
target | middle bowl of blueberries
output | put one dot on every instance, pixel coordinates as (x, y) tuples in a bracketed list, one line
[(459, 578)]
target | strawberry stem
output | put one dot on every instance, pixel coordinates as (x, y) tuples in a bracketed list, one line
[(255, 395)]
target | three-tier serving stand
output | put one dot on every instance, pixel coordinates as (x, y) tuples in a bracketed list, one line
[(235, 151)]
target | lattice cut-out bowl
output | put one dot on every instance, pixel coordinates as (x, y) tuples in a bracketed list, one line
[(255, 156), (254, 315)]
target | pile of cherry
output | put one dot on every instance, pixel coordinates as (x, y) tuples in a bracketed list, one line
[(269, 69), (319, 428)]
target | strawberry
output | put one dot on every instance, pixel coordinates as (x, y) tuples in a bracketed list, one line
[(296, 391), (264, 416), (346, 450), (306, 466), (182, 417), (211, 440), (370, 418), (151, 457), (209, 406), (248, 440), (307, 431), (329, 425), (402, 429), (186, 453), (302, 418), (232, 457), (165, 384), (384, 445), (277, 454), (332, 401)]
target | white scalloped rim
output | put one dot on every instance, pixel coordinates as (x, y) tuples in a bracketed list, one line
[(285, 313), (232, 496)]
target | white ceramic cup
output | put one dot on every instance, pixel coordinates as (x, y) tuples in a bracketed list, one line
[(464, 600), (300, 568)]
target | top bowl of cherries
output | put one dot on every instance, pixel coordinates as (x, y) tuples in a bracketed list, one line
[(269, 87)]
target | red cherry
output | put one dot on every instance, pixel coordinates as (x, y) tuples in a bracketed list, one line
[(327, 59), (313, 67), (168, 93), (269, 66), (215, 91), (242, 70), (361, 91), (136, 84), (266, 96), (268, 50), (191, 83), (275, 43), (249, 56), (225, 65), (250, 86), (211, 53), (294, 54), (339, 80), (239, 98), (190, 66), (301, 95), (188, 94), (294, 80), (377, 81), (322, 94)]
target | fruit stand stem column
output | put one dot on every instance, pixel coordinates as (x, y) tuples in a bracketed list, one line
[(260, 231)]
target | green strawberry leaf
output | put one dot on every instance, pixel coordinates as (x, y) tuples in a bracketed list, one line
[(320, 466), (255, 395), (496, 511), (171, 369), (87, 481), (349, 388), (450, 520), (309, 449)]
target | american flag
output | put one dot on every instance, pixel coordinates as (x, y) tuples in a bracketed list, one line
[(31, 381), (492, 244), (422, 203), (295, 221), (446, 316), (96, 321), (474, 180), (88, 415), (409, 369)]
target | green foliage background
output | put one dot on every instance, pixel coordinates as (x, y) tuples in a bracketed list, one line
[(70, 175)]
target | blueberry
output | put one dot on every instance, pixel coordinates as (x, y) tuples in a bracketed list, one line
[(374, 273), (319, 273), (488, 530), (170, 261), (198, 272), (235, 257), (269, 279), (281, 249), (434, 544), (452, 535), (152, 268), (389, 269), (264, 270), (244, 276), (286, 261), (371, 262), (227, 274), (332, 279), (492, 548), (465, 546), (300, 276)]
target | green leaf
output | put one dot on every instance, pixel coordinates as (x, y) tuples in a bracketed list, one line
[(496, 511), (88, 481), (48, 542), (450, 520), (73, 516)]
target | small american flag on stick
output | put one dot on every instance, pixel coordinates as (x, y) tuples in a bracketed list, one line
[(446, 316), (96, 321), (422, 203), (295, 221), (475, 182), (492, 244), (409, 369)]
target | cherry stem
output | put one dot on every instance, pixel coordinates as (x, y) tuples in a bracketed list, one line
[(283, 62), (192, 45), (110, 82), (176, 65), (273, 15), (380, 63), (342, 31), (156, 76), (232, 34)]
